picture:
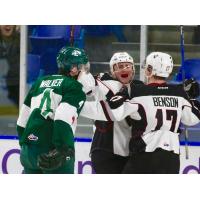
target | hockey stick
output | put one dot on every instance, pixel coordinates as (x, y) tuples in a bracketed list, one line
[(182, 46), (183, 78), (72, 35), (185, 129)]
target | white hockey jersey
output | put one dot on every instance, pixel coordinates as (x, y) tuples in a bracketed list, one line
[(156, 112), (109, 136)]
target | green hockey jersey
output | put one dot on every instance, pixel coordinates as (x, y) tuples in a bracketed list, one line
[(49, 114)]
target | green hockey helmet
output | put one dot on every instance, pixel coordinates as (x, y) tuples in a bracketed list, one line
[(69, 57)]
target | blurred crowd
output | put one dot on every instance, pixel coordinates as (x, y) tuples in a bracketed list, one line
[(10, 51)]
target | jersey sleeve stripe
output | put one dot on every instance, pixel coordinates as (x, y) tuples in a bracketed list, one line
[(194, 110), (105, 111), (105, 85)]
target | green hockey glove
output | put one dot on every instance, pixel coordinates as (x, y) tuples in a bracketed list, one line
[(54, 158)]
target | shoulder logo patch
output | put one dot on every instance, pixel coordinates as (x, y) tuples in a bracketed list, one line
[(32, 137)]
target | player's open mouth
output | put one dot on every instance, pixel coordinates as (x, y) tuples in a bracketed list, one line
[(124, 75)]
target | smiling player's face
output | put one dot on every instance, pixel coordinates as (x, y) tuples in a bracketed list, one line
[(124, 72)]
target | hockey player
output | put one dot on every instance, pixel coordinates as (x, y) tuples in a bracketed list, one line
[(156, 111), (109, 150), (48, 117)]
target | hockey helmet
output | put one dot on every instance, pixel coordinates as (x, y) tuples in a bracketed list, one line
[(120, 57), (161, 63), (70, 56)]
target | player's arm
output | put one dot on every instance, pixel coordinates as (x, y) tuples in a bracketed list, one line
[(25, 112), (191, 112), (127, 108), (97, 110), (115, 109), (191, 107), (88, 82), (94, 86), (100, 110), (66, 114), (105, 87)]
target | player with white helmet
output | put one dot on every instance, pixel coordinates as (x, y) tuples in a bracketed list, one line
[(109, 150), (156, 111), (119, 61), (122, 71), (161, 64)]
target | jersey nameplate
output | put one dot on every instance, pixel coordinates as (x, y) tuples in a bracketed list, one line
[(51, 83), (165, 101)]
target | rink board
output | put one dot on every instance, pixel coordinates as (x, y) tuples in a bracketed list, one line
[(10, 164)]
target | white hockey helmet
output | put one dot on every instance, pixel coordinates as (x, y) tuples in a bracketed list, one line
[(161, 63), (120, 57)]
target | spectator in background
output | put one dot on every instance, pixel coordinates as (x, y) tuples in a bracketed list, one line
[(10, 50)]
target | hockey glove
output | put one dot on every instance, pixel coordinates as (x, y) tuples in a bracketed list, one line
[(118, 99), (54, 158), (191, 87), (195, 103)]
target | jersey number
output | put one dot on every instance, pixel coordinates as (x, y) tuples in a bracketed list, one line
[(171, 115), (46, 98)]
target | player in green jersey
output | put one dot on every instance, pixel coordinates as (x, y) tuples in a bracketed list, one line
[(48, 117)]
